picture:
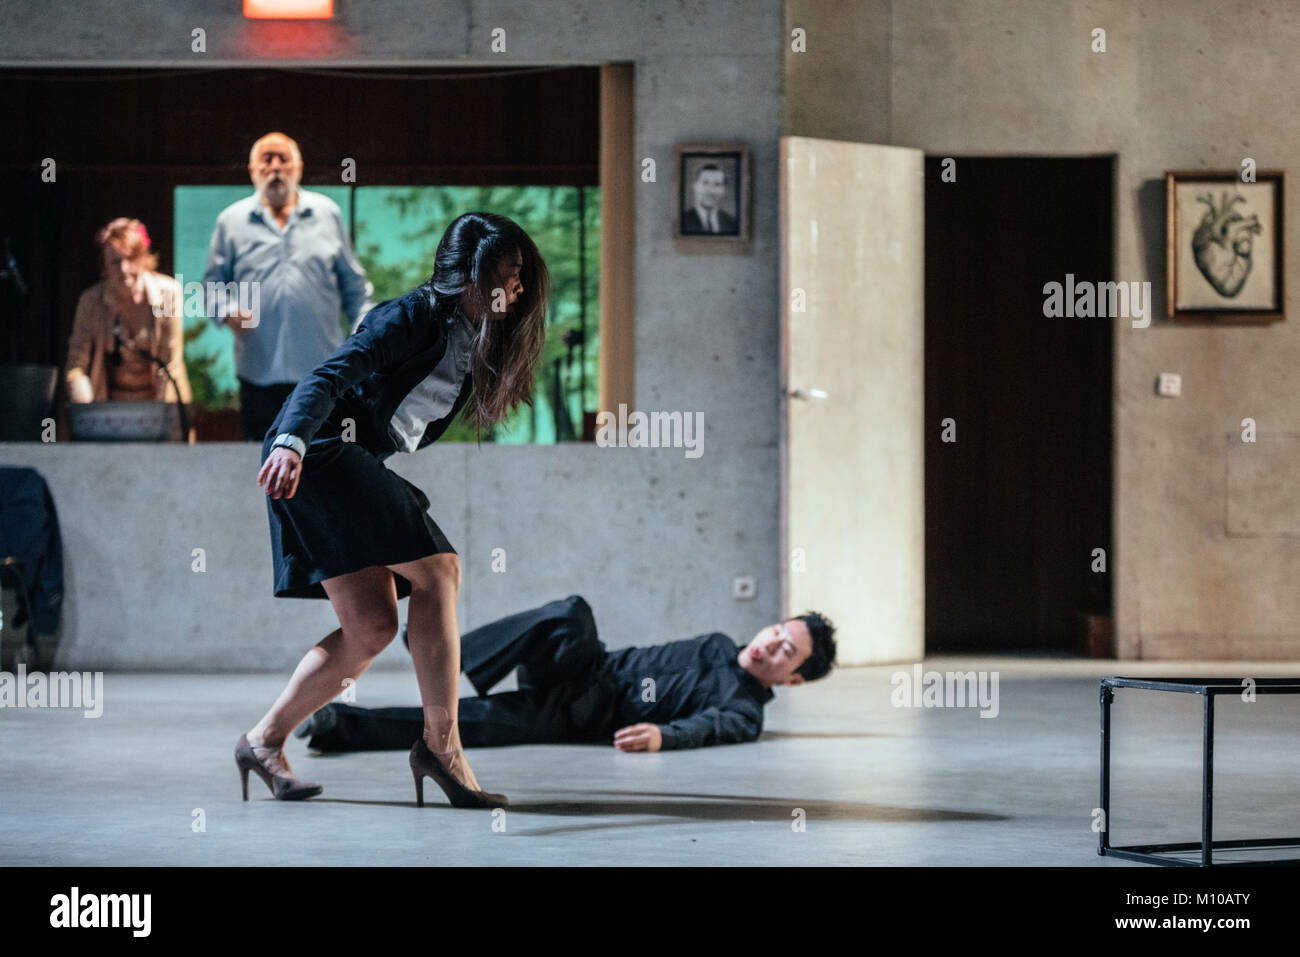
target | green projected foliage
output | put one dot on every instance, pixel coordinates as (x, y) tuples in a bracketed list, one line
[(395, 230)]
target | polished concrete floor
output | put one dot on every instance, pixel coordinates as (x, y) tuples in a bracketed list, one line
[(872, 783)]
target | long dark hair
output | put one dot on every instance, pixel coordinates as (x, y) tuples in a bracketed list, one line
[(506, 349)]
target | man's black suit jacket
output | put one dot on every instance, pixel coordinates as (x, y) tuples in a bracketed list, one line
[(694, 689), (691, 223)]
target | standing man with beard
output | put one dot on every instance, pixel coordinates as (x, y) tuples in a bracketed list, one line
[(291, 244)]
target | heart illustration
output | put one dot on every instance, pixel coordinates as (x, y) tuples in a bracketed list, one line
[(1222, 243)]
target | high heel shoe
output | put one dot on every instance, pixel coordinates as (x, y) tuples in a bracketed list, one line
[(424, 761), (283, 787)]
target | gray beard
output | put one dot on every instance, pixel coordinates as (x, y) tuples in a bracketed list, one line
[(276, 195)]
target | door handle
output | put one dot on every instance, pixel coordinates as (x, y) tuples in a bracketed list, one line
[(806, 394)]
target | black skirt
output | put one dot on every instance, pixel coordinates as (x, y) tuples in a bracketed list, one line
[(350, 512)]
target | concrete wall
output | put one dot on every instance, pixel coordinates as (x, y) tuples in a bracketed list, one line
[(651, 538), (1185, 84)]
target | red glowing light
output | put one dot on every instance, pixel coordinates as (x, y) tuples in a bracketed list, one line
[(288, 9)]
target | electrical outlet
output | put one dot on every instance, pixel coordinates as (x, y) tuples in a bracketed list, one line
[(1170, 384), (743, 589)]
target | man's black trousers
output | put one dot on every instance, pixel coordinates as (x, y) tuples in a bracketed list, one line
[(259, 405), (565, 693)]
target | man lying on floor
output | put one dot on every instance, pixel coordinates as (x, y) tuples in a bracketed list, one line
[(684, 694)]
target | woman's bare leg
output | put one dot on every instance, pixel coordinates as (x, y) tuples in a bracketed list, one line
[(434, 636), (366, 605)]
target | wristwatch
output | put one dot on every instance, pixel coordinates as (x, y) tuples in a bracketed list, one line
[(288, 440)]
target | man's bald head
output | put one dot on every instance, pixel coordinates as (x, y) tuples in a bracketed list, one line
[(275, 167), (275, 139)]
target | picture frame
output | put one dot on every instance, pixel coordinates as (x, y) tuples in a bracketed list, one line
[(712, 196), (1225, 247)]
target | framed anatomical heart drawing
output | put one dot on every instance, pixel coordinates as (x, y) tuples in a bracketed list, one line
[(1226, 256)]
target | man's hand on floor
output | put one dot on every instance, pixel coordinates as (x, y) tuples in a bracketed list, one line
[(639, 737)]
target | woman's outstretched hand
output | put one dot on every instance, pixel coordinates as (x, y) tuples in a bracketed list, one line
[(281, 472)]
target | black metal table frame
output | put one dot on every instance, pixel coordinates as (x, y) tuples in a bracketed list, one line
[(1209, 688)]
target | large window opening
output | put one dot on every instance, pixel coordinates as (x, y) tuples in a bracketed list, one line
[(170, 148)]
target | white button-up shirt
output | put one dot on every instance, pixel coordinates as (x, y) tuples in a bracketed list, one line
[(305, 272), (433, 397)]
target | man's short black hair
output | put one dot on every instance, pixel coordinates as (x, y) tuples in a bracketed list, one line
[(822, 659), (707, 167)]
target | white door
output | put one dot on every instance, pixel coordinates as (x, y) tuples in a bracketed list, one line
[(853, 336)]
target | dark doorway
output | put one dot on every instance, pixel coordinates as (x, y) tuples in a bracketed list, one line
[(1017, 504)]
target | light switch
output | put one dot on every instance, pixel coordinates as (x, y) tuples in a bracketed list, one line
[(1170, 384)]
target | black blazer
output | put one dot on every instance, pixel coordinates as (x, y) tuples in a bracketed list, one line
[(399, 342), (29, 534), (691, 223)]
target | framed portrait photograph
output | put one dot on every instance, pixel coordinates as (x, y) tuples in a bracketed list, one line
[(1225, 248), (712, 187)]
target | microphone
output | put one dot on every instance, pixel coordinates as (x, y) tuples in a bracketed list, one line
[(180, 405)]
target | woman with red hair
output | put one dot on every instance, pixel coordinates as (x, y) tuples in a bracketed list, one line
[(131, 313)]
